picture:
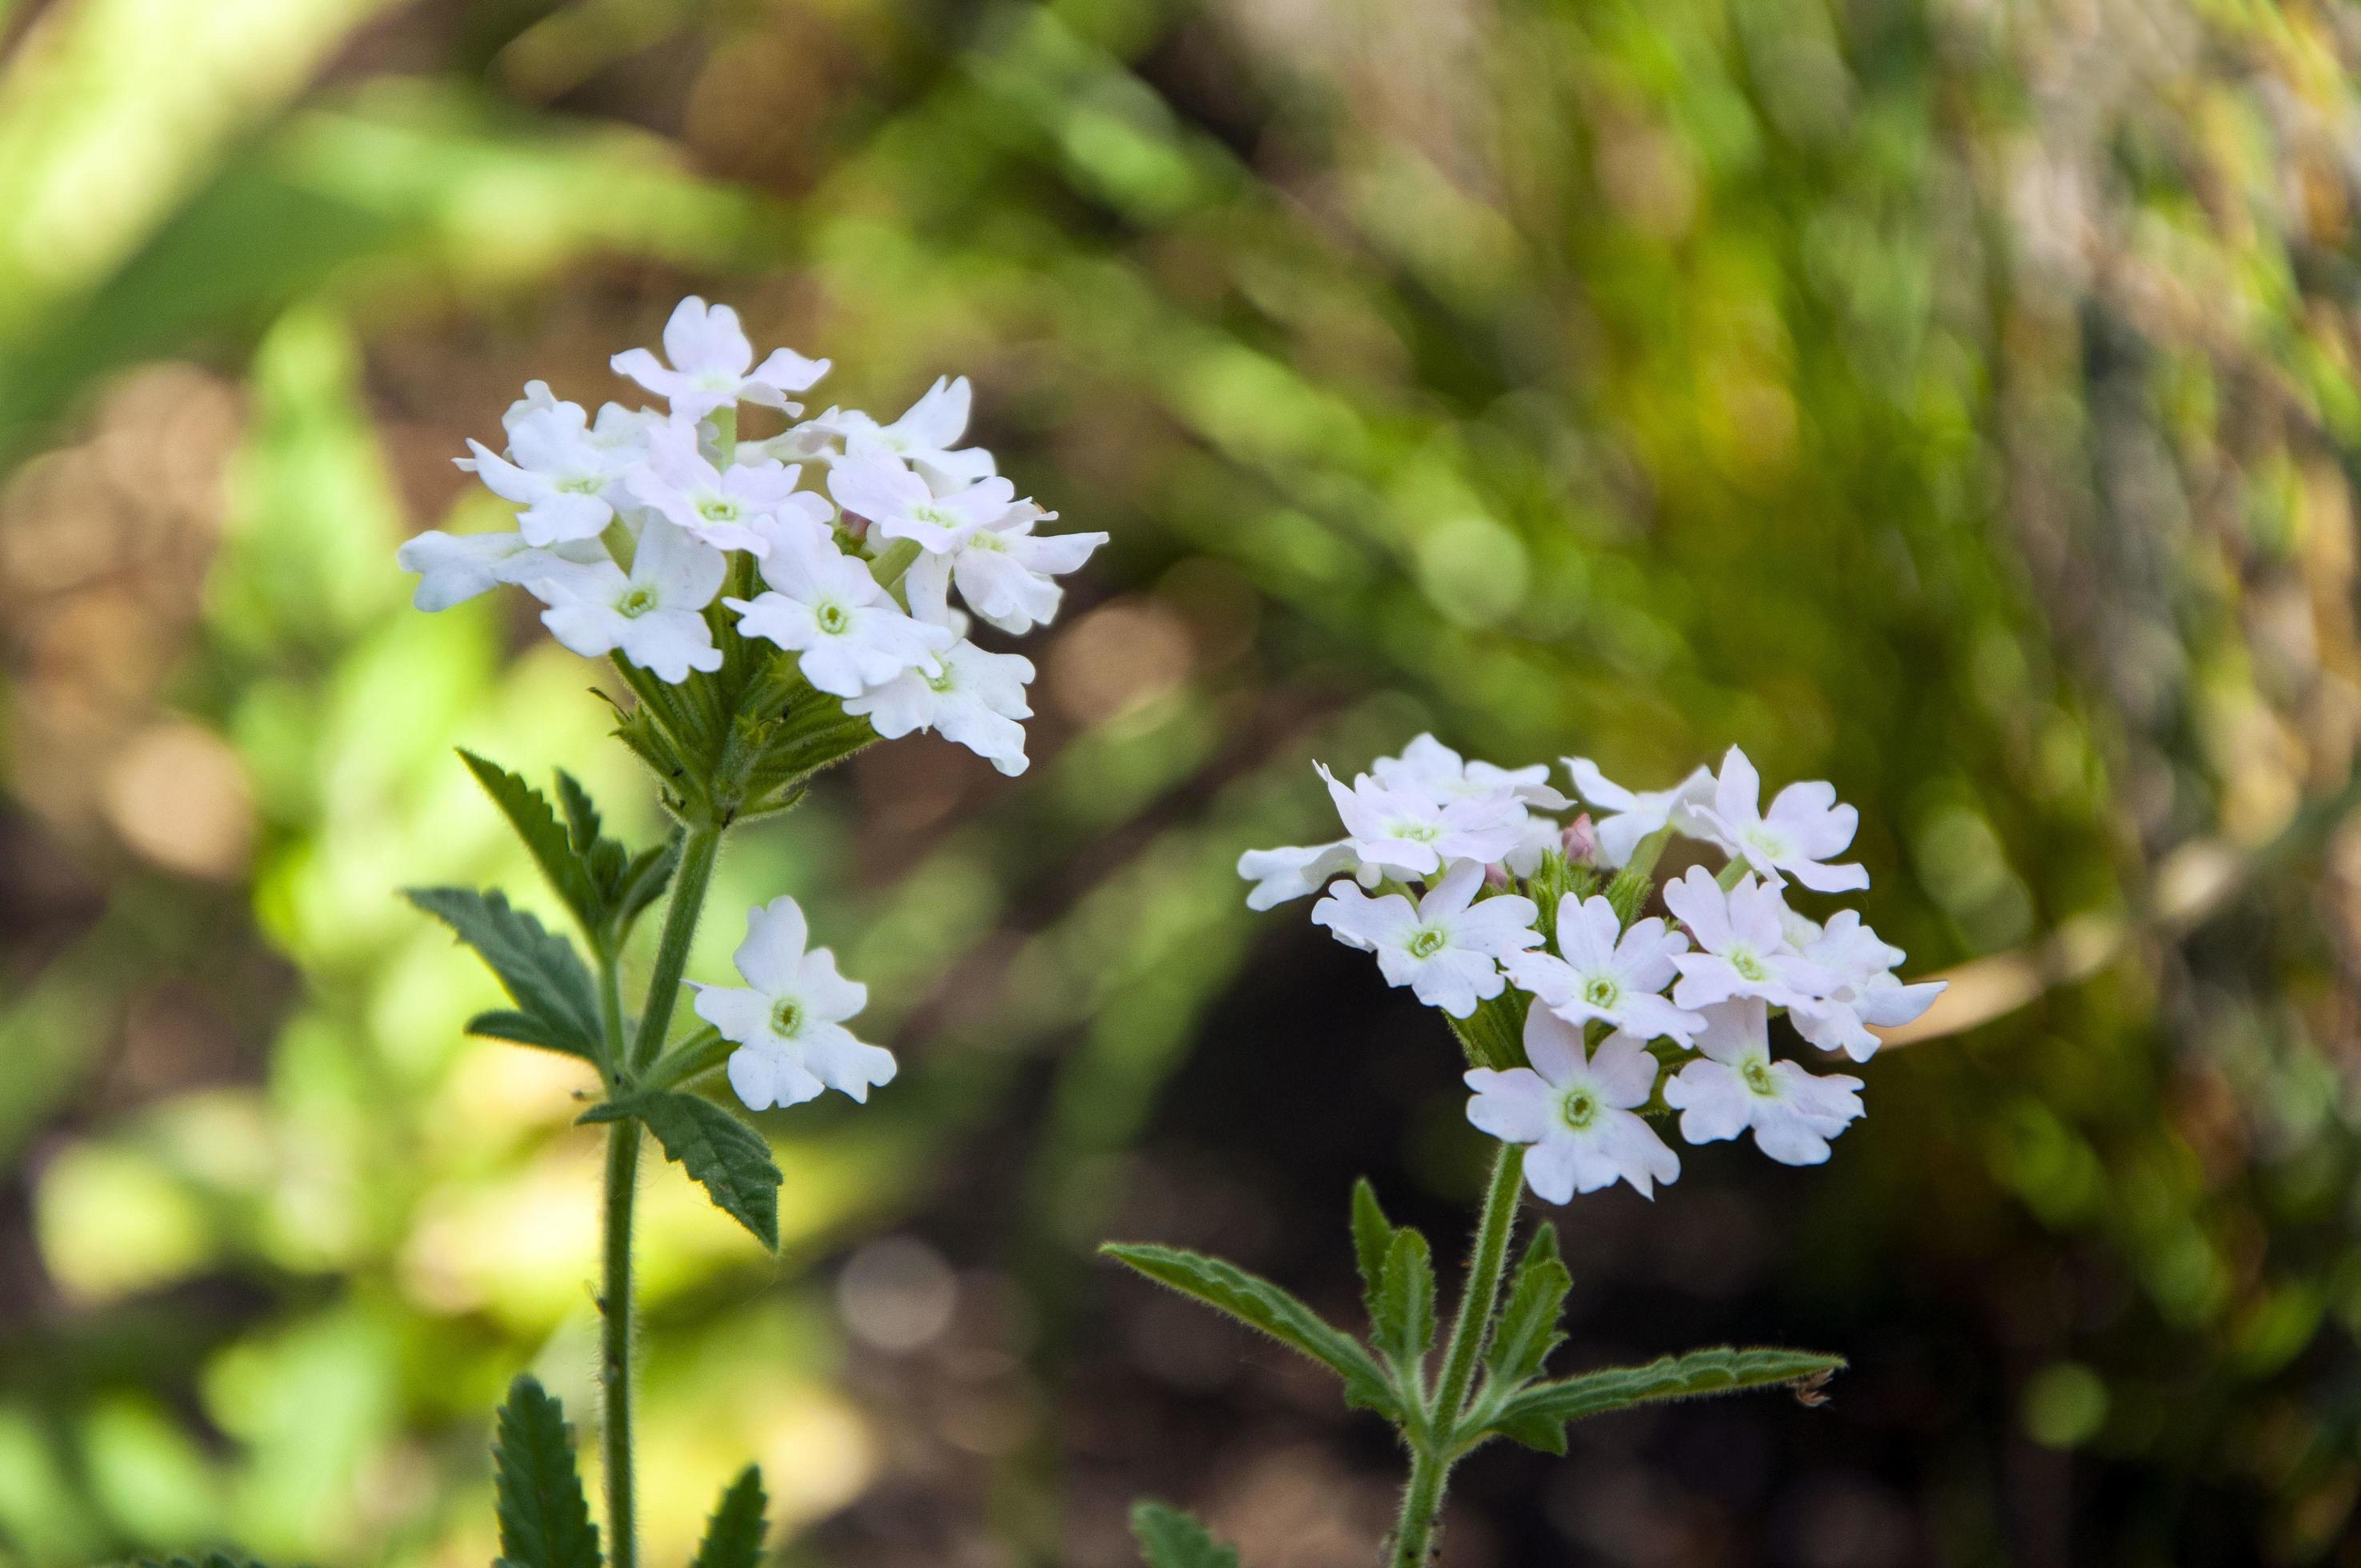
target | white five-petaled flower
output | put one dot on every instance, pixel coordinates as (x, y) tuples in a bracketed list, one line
[(1577, 1111), (1405, 832), (723, 508), (1805, 827), (1446, 948), (975, 699), (1607, 974), (1743, 942), (1866, 994), (1003, 568), (901, 505), (649, 613), (1632, 815), (560, 473), (1434, 769), (828, 608), (1294, 871), (1736, 1086), (456, 568), (926, 436), (713, 364), (788, 1019)]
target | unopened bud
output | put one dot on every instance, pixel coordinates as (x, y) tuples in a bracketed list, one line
[(1495, 876), (1580, 841)]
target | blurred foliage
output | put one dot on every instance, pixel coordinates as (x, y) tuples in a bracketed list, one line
[(1954, 399)]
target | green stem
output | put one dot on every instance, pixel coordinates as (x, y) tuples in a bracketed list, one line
[(1434, 1448), (697, 852), (1731, 872), (618, 1316)]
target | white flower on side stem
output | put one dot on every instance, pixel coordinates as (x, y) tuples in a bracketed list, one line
[(1805, 827), (1743, 942), (825, 606), (1406, 833), (1293, 871), (975, 699), (788, 1019), (1609, 974), (1576, 1112), (926, 436), (1737, 1086), (1630, 815), (1434, 769), (456, 568), (1003, 568), (713, 364), (723, 508), (649, 613), (1867, 994), (1446, 948), (556, 471)]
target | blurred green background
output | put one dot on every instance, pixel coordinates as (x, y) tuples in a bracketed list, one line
[(1950, 398)]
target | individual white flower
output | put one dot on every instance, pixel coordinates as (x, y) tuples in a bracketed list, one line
[(1805, 827), (1744, 942), (1541, 835), (1634, 814), (824, 606), (1434, 769), (1576, 1111), (974, 700), (1293, 871), (1866, 994), (926, 436), (788, 1019), (1405, 832), (1607, 973), (649, 613), (713, 364), (900, 505), (1003, 569), (1794, 1113), (560, 475), (721, 507), (1447, 948), (454, 568)]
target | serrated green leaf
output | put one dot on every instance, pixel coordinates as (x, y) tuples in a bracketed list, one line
[(605, 857), (1403, 1324), (1259, 1304), (642, 881), (544, 1522), (1372, 1234), (551, 846), (1538, 1415), (538, 968), (524, 1029), (1171, 1539), (729, 1159), (1528, 1327), (733, 1536)]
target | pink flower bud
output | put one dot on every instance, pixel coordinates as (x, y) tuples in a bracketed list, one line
[(1580, 841), (1495, 876)]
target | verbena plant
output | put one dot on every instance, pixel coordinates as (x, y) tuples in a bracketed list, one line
[(1583, 1021)]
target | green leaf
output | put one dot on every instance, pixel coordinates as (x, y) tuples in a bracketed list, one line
[(1372, 1234), (733, 1536), (729, 1159), (1259, 1304), (210, 1560), (642, 881), (524, 1029), (1171, 1539), (1537, 1417), (553, 849), (1528, 1329), (539, 970), (1404, 1322), (544, 1523)]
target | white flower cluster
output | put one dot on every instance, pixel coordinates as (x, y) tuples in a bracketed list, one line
[(629, 525), (1444, 845)]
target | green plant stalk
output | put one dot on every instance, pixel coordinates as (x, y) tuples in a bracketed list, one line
[(618, 1316), (698, 851), (1731, 872), (1435, 1443)]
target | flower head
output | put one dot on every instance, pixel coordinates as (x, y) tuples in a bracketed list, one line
[(1743, 942), (973, 699), (826, 606), (788, 1019), (1406, 832), (1609, 974), (713, 364), (1446, 948), (557, 470), (721, 507), (1577, 1111), (1737, 1086), (1804, 827), (1632, 815), (1866, 995), (649, 613)]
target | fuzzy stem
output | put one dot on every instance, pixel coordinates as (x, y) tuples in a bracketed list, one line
[(697, 852), (1434, 1448), (618, 1322), (1731, 872)]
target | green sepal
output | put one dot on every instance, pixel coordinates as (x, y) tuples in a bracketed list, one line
[(733, 1536), (544, 1521), (537, 967), (1528, 1327), (1552, 880), (1372, 1234), (721, 1154), (1494, 1034), (1538, 1415), (1403, 1325), (1171, 1539), (1630, 886), (1259, 1304)]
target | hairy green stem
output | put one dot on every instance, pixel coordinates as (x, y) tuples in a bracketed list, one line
[(697, 852), (1434, 1448), (618, 1320), (1731, 872)]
